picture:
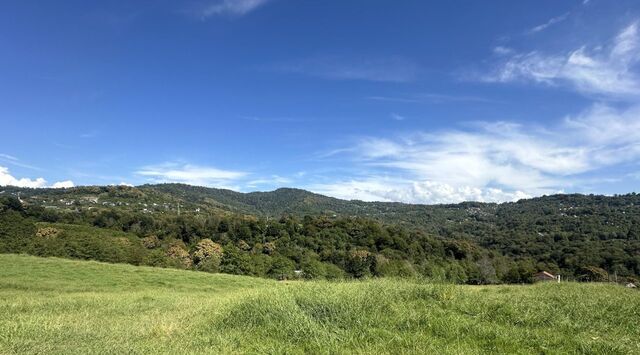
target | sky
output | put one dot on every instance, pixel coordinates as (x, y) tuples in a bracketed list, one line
[(411, 101)]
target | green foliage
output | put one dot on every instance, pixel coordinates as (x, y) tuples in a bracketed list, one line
[(235, 261), (475, 243), (394, 268), (151, 242), (313, 269), (593, 274), (281, 268), (333, 272), (207, 255), (16, 232), (359, 263)]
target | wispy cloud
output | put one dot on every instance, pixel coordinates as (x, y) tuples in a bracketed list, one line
[(8, 157), (274, 119), (7, 179), (230, 7), (90, 134), (497, 161), (384, 69), (191, 174), (431, 98), (397, 117), (549, 23), (270, 181), (606, 70), (502, 50), (11, 160)]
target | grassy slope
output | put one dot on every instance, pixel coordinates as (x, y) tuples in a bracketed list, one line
[(63, 306)]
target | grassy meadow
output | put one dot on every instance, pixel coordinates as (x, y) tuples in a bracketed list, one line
[(50, 305)]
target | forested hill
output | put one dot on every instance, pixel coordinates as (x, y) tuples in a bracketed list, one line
[(613, 214), (559, 233)]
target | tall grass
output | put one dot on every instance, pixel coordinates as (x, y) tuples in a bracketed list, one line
[(62, 306)]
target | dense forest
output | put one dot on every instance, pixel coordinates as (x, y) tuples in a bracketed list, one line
[(291, 233)]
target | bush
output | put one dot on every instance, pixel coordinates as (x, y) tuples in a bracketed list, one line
[(207, 255), (394, 268), (156, 258), (313, 269), (178, 255), (359, 263), (593, 274), (235, 262), (333, 272), (16, 232), (151, 242), (47, 232), (281, 268)]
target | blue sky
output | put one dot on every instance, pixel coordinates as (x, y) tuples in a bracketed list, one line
[(414, 101)]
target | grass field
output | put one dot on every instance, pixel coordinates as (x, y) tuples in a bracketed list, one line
[(64, 306)]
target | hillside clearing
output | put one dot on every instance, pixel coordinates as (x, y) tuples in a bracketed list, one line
[(61, 306)]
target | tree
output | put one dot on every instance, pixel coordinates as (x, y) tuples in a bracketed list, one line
[(235, 262), (207, 255), (269, 248), (281, 268), (178, 255), (359, 263), (313, 269), (593, 274)]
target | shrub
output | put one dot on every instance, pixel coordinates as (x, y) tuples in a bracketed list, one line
[(593, 274), (333, 272), (359, 263), (394, 268), (313, 269), (269, 248), (123, 241), (281, 268), (178, 255), (16, 232), (156, 258), (151, 242), (47, 232), (235, 262), (244, 245), (207, 255)]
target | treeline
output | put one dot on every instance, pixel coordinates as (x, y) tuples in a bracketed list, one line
[(288, 247), (510, 248)]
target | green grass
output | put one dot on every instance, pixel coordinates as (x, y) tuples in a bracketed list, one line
[(63, 306)]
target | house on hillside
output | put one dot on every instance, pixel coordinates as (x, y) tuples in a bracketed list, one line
[(546, 276)]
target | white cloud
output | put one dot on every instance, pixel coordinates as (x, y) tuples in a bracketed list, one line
[(397, 117), (191, 174), (231, 7), (7, 179), (604, 70), (63, 184), (497, 161), (271, 181), (501, 50), (549, 23), (390, 190), (389, 69)]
